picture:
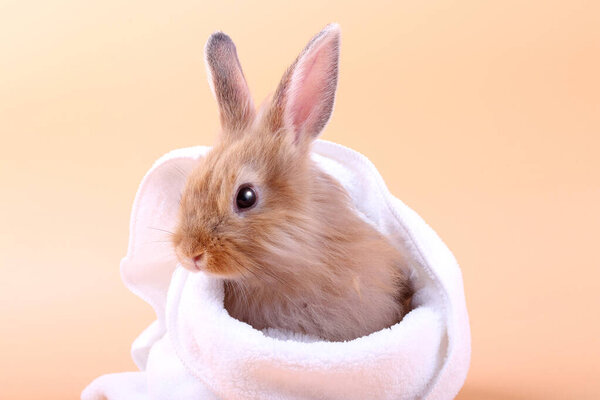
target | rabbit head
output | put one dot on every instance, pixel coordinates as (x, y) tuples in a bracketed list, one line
[(249, 205)]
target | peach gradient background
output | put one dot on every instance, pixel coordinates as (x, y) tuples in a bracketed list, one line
[(482, 116)]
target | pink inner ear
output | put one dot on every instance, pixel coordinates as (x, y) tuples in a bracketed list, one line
[(307, 88), (312, 88)]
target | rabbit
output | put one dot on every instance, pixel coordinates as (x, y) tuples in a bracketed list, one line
[(283, 235)]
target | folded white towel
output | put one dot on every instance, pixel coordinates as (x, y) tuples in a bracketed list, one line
[(195, 350)]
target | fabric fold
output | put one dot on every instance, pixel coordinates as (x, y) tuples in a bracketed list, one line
[(195, 350)]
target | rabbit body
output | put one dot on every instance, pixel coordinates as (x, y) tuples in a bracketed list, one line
[(342, 281)]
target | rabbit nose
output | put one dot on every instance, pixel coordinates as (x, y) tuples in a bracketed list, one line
[(199, 261)]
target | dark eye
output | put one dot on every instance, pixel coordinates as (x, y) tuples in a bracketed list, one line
[(246, 197)]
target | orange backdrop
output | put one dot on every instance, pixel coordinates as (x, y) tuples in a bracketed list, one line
[(482, 116)]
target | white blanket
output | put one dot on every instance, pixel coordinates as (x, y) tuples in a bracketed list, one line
[(195, 350)]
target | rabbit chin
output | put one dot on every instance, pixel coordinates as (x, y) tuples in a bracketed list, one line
[(211, 270), (219, 270)]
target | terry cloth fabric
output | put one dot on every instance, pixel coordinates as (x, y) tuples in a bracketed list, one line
[(195, 350)]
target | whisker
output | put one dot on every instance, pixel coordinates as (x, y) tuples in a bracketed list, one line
[(241, 268), (162, 230), (180, 170), (243, 291), (265, 271)]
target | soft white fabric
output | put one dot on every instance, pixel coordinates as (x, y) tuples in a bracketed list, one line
[(195, 350)]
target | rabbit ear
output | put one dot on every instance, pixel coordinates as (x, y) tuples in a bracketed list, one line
[(227, 83), (304, 99)]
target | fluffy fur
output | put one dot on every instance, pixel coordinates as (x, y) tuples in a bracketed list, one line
[(301, 259)]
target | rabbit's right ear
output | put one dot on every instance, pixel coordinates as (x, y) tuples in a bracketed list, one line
[(304, 99), (228, 84)]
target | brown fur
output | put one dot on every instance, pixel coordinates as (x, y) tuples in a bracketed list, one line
[(301, 259)]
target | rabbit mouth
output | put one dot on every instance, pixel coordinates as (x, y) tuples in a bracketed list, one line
[(191, 265), (194, 262)]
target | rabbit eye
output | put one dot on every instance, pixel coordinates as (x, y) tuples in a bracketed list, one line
[(246, 197)]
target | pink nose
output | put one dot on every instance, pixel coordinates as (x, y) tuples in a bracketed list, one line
[(199, 261)]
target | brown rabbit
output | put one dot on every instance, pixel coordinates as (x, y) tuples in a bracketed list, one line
[(283, 235)]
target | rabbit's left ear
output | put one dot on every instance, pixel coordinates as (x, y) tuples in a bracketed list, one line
[(303, 102), (228, 84)]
